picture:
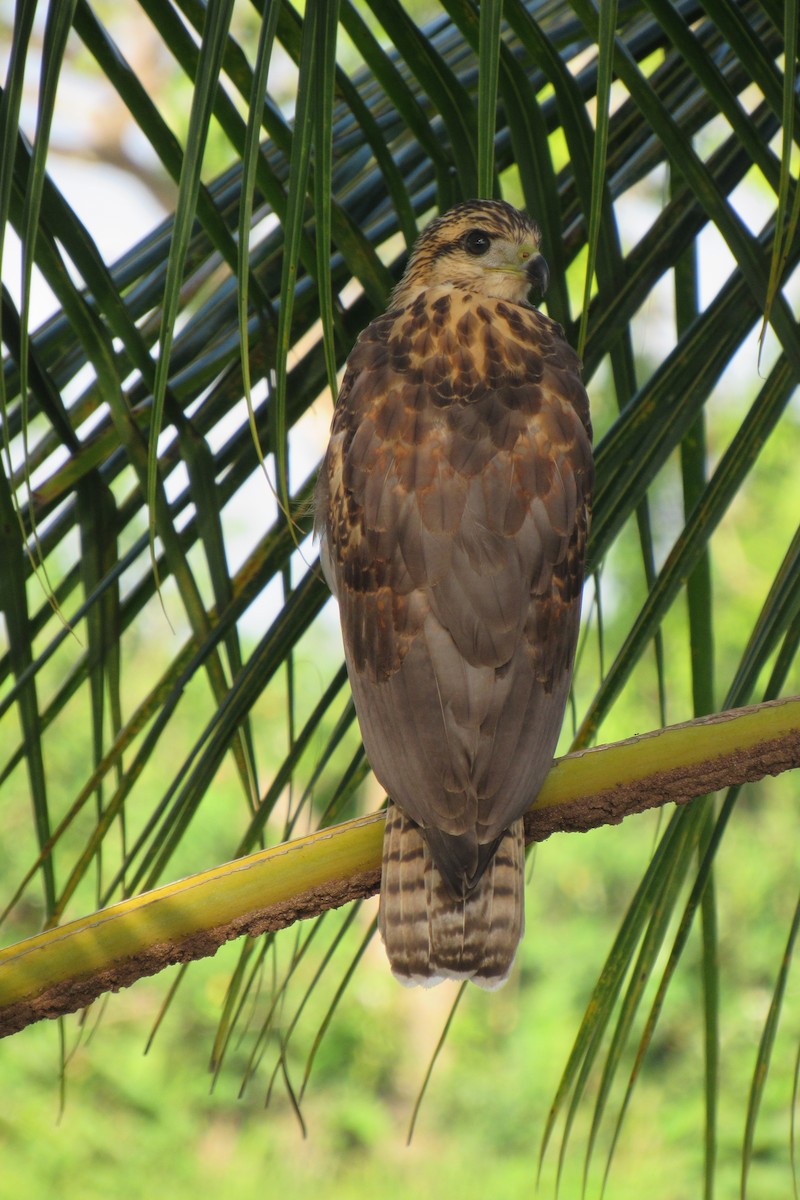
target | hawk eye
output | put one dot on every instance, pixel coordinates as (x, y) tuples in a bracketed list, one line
[(477, 242)]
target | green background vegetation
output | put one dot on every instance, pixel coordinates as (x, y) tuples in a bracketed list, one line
[(132, 1122), (116, 1121)]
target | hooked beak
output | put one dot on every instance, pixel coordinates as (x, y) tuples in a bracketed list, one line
[(538, 274)]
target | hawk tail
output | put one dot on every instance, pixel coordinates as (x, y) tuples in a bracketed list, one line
[(429, 935)]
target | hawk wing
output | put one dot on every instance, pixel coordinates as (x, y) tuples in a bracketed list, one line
[(453, 507)]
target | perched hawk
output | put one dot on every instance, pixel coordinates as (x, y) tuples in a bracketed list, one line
[(453, 508)]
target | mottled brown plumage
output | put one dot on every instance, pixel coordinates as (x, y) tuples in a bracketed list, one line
[(453, 509)]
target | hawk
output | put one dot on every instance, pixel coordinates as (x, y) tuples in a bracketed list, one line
[(453, 508)]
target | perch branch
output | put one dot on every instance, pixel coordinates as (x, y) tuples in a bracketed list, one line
[(68, 967)]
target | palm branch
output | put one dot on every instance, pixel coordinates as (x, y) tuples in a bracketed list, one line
[(170, 383)]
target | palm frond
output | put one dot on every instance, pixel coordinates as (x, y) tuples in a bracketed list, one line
[(138, 422)]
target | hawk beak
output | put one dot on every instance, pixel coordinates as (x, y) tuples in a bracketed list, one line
[(538, 273)]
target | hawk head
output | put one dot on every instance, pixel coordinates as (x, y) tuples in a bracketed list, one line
[(485, 246)]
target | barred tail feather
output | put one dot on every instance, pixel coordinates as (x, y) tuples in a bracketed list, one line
[(429, 935)]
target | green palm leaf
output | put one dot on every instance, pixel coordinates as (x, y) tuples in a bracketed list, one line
[(138, 420)]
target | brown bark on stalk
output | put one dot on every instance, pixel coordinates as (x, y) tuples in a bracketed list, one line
[(584, 812)]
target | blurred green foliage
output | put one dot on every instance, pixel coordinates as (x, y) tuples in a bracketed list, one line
[(133, 1123)]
